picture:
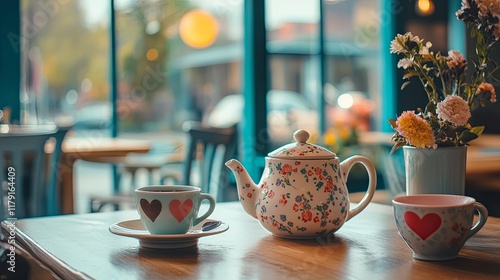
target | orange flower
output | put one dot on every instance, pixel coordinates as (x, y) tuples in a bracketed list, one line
[(486, 91), (415, 129)]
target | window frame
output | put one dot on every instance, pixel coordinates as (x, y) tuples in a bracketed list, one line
[(255, 74)]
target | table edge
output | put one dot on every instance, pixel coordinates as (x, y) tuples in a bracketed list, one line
[(49, 261)]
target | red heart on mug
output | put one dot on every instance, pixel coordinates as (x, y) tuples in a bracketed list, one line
[(152, 210), (180, 210), (424, 227)]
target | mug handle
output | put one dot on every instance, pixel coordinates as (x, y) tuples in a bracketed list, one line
[(211, 208), (345, 167), (483, 216)]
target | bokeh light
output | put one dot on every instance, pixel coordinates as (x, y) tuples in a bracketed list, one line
[(345, 101), (198, 29), (152, 54), (425, 7)]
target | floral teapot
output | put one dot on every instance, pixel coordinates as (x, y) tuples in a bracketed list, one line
[(302, 192)]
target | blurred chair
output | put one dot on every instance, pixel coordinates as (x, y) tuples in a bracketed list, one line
[(22, 155), (202, 165), (53, 199), (157, 159), (209, 148), (160, 157)]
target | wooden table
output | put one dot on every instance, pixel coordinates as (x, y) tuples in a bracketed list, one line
[(483, 160), (89, 149), (366, 247), (483, 155)]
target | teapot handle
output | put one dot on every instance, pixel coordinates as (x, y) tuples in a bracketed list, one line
[(345, 167)]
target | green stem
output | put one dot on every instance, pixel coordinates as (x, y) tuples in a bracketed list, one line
[(440, 72), (433, 94)]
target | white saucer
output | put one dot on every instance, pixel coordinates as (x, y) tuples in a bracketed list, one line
[(135, 228)]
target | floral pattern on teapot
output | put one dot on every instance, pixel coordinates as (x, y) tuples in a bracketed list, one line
[(302, 192), (309, 210)]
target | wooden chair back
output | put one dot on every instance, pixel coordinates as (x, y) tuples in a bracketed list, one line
[(208, 149)]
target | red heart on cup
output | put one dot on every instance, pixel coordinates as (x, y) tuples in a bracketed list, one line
[(424, 227), (180, 210)]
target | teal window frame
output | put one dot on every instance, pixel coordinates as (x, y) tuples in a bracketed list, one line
[(10, 57)]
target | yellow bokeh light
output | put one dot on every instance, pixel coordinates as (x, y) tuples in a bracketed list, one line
[(152, 54), (198, 29), (425, 7)]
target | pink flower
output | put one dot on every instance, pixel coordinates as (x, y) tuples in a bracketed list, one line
[(454, 109), (455, 60), (488, 6)]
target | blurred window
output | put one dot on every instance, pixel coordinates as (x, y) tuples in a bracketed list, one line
[(350, 38), (177, 59)]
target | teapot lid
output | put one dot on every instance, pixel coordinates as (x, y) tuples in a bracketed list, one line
[(302, 150)]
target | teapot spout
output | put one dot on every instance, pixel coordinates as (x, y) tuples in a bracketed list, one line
[(247, 189)]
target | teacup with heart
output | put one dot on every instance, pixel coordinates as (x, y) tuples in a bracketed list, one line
[(171, 209), (436, 226)]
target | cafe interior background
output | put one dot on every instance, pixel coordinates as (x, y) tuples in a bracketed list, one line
[(142, 69)]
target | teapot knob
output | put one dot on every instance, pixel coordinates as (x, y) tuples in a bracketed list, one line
[(301, 136)]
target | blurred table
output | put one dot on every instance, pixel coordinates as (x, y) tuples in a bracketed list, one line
[(483, 160), (89, 149), (483, 155), (366, 247)]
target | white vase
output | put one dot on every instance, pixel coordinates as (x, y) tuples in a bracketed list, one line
[(440, 170)]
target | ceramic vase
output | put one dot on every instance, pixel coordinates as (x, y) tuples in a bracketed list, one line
[(440, 170)]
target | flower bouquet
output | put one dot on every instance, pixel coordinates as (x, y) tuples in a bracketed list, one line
[(444, 122)]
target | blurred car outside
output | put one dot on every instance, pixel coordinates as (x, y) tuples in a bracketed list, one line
[(288, 111), (93, 115)]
